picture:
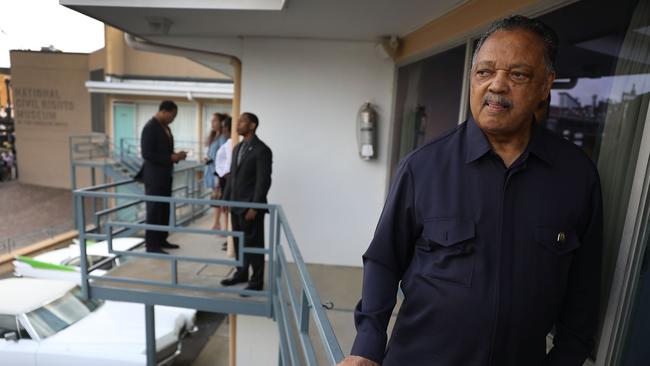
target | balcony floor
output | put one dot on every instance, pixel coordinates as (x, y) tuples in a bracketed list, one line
[(340, 285)]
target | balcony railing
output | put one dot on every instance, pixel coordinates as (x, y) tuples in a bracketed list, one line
[(291, 299)]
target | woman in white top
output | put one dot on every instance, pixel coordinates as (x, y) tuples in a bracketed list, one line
[(222, 160)]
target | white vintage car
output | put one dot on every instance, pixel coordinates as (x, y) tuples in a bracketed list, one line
[(48, 323), (64, 263)]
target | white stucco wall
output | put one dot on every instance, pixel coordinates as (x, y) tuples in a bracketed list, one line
[(307, 94)]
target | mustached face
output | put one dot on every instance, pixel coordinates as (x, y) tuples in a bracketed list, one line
[(509, 81)]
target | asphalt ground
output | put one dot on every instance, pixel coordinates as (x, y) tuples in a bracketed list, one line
[(195, 343), (29, 214)]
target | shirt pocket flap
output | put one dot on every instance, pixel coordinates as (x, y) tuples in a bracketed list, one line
[(558, 241), (447, 232)]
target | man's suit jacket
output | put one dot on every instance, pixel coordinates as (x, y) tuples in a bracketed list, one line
[(250, 180), (157, 148)]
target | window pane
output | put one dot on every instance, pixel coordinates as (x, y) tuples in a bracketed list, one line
[(7, 324), (428, 100), (600, 100)]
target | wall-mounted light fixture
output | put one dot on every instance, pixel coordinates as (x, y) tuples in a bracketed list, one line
[(159, 25), (388, 46)]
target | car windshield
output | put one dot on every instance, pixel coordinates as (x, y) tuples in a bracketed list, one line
[(61, 313)]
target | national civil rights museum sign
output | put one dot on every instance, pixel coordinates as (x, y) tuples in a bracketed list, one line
[(41, 107)]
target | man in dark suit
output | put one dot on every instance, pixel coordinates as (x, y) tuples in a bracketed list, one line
[(249, 181), (157, 146)]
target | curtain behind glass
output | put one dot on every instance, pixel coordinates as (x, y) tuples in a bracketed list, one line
[(623, 128)]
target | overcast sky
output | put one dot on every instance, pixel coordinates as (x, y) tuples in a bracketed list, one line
[(32, 24)]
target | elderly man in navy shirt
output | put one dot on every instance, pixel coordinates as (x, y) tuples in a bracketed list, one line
[(493, 231)]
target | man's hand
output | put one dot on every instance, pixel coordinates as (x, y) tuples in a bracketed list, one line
[(250, 214), (357, 361), (176, 157)]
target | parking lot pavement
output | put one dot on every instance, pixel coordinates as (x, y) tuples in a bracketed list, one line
[(197, 343), (29, 214)]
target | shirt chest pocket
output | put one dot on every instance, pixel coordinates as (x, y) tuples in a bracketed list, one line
[(557, 241), (551, 261), (446, 249)]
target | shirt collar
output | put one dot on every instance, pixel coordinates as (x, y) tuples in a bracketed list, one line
[(477, 144), (539, 145)]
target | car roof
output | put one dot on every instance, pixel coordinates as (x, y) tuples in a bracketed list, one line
[(59, 256), (21, 295)]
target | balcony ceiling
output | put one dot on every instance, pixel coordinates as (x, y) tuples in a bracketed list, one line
[(361, 20)]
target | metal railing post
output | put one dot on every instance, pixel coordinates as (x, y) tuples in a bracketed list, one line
[(192, 174), (73, 173), (272, 255), (172, 214), (105, 180), (93, 202), (122, 149), (150, 325), (174, 276), (81, 227), (304, 313)]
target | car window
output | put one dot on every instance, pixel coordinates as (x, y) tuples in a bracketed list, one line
[(92, 259), (22, 332), (7, 324), (61, 313)]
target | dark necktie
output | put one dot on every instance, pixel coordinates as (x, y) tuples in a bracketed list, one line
[(242, 151)]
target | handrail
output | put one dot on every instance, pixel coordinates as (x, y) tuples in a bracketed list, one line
[(290, 310), (281, 288), (310, 298)]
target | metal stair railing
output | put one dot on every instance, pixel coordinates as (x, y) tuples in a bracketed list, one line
[(119, 164), (290, 310)]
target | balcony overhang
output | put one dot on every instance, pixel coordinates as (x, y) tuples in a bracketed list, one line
[(359, 20), (185, 4), (187, 90)]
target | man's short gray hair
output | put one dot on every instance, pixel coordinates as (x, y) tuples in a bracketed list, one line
[(519, 22)]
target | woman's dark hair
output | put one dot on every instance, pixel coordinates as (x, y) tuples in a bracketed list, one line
[(214, 133), (226, 124)]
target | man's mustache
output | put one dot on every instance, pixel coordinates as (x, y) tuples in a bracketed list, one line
[(497, 99)]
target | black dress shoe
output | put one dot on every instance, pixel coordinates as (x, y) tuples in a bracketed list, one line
[(252, 288), (233, 281), (169, 245), (156, 250)]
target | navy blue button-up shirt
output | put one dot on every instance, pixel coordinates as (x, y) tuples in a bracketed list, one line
[(490, 257)]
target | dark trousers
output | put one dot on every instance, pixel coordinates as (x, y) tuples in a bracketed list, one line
[(253, 238), (157, 214)]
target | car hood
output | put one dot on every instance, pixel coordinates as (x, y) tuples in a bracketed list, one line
[(121, 325)]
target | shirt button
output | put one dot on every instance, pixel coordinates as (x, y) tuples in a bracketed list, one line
[(561, 237)]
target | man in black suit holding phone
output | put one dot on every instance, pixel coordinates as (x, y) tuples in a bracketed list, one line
[(249, 181), (157, 146)]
